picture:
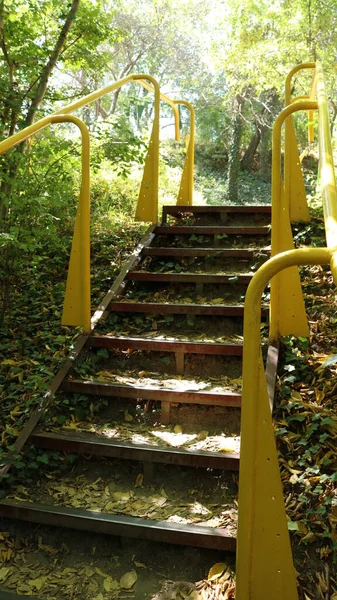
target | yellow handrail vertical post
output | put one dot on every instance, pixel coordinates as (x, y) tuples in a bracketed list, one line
[(77, 303), (293, 177), (147, 207), (327, 170), (264, 567), (287, 310), (185, 194), (171, 103), (78, 287)]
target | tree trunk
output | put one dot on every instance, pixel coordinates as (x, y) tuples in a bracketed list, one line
[(334, 115), (10, 161), (265, 153), (246, 162), (234, 154)]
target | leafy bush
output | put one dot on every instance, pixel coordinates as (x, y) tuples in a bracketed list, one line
[(212, 156), (112, 195), (115, 141)]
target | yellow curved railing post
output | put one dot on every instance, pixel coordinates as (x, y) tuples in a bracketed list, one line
[(147, 207), (264, 566), (171, 103), (77, 308), (88, 99), (288, 81), (287, 311), (327, 170), (185, 194), (293, 177)]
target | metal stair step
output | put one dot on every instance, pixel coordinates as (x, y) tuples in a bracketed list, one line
[(152, 392), (190, 277), (210, 230), (95, 445), (263, 208), (204, 252), (125, 526), (107, 341), (232, 310)]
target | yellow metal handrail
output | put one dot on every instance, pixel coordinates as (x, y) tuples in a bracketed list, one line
[(292, 166), (77, 300), (289, 78), (264, 561), (286, 311), (88, 99), (292, 317), (327, 171), (77, 309), (168, 101), (264, 567), (147, 207), (185, 194)]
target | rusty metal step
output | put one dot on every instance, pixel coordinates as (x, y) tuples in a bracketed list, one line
[(204, 252), (95, 445), (210, 230), (134, 527), (153, 345), (232, 310), (238, 278), (171, 210), (152, 392)]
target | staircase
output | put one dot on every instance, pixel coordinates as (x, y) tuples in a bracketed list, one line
[(155, 390)]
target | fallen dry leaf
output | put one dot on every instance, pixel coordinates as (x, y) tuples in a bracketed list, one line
[(110, 584), (37, 583), (216, 571), (4, 572), (128, 580)]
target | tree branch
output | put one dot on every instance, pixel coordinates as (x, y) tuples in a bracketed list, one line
[(47, 70), (31, 87), (71, 44), (3, 47)]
